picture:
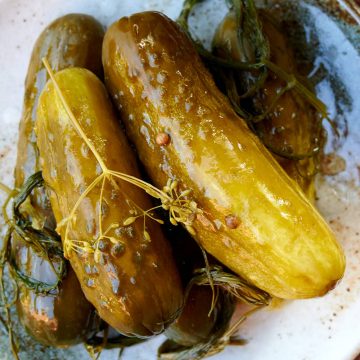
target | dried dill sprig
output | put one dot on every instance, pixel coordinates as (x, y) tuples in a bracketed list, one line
[(233, 284), (222, 336), (246, 17), (227, 290), (96, 344), (257, 64), (45, 242), (216, 342)]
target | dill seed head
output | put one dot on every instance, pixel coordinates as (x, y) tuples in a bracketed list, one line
[(129, 221), (146, 236)]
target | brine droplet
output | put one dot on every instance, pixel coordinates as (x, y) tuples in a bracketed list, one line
[(104, 302), (137, 257), (90, 282), (115, 284), (103, 244), (117, 250), (84, 150)]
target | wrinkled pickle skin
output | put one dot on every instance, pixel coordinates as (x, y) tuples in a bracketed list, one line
[(293, 122), (67, 318), (281, 244), (137, 290)]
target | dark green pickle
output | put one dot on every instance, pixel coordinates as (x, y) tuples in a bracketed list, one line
[(196, 323), (65, 317)]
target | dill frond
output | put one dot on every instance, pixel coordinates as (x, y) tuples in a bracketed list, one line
[(260, 67)]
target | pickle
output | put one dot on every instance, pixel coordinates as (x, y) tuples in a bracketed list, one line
[(197, 334), (291, 129), (195, 324), (207, 310), (71, 40), (125, 267), (250, 216), (64, 317)]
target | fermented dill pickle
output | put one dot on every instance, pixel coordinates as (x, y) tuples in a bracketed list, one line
[(126, 271), (63, 317), (71, 40), (292, 127), (252, 218)]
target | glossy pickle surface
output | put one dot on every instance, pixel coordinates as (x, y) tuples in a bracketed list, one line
[(134, 285), (280, 244), (195, 323), (66, 317), (292, 127)]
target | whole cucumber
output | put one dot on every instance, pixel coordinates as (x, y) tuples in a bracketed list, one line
[(63, 318), (253, 219), (125, 268), (71, 40)]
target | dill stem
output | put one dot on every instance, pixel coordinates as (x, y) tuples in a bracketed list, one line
[(141, 184), (211, 280), (275, 100), (242, 318), (5, 205), (5, 189), (72, 116), (121, 352), (78, 202), (100, 206), (318, 104)]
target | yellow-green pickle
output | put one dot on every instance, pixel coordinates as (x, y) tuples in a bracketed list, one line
[(119, 253), (60, 316), (291, 128), (246, 210)]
